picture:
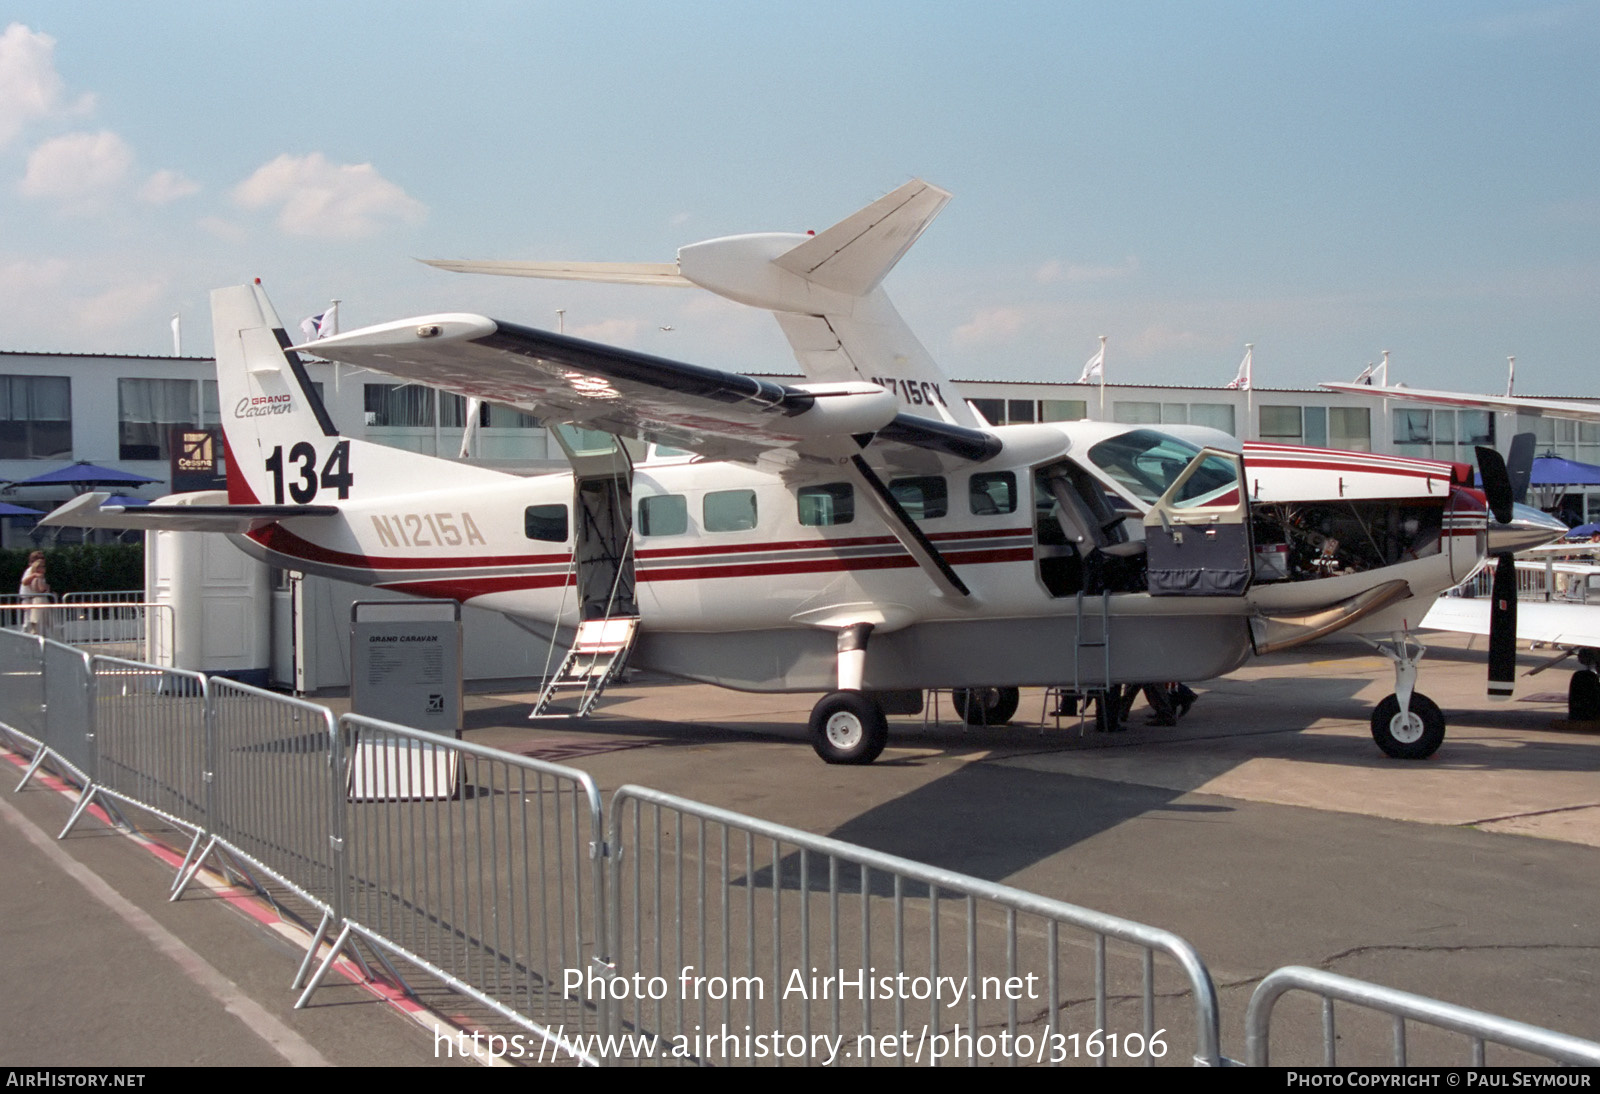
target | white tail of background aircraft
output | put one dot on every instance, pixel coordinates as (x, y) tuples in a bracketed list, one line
[(825, 291)]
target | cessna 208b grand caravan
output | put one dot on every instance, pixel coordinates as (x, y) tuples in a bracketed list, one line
[(863, 534)]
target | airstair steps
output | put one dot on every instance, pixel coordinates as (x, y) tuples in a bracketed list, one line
[(598, 655)]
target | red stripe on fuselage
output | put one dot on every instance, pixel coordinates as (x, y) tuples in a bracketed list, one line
[(275, 537)]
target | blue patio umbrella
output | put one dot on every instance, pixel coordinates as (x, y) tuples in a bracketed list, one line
[(84, 475), (1555, 471), (9, 510)]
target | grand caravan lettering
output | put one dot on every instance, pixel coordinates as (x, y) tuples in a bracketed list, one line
[(263, 406)]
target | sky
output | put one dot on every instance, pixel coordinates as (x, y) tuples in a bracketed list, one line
[(1323, 180)]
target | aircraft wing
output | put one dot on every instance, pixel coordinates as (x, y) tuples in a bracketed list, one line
[(1551, 621), (1559, 408), (722, 415), (90, 511)]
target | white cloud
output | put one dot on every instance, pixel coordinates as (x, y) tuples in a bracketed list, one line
[(1056, 270), (78, 170), (167, 186), (119, 306), (317, 198), (30, 87), (222, 229), (1161, 338), (990, 326)]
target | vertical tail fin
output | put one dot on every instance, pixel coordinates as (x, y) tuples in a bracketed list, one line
[(266, 400)]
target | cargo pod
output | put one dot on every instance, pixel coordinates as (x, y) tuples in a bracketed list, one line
[(1197, 535)]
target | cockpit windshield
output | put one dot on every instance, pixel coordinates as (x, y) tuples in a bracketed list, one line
[(1145, 463)]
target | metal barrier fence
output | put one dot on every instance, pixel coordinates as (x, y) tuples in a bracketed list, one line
[(478, 866), (1540, 580), (22, 693), (736, 940), (1402, 1006), (149, 741), (274, 791), (704, 937), (117, 596), (136, 631)]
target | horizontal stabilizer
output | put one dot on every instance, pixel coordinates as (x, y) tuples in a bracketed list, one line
[(89, 511), (857, 253), (615, 273)]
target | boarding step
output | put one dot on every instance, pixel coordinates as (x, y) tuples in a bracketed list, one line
[(599, 653)]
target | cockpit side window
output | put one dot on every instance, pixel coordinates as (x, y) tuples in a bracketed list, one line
[(1143, 462)]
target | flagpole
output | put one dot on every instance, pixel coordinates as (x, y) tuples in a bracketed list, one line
[(1102, 377), (1249, 387), (177, 336)]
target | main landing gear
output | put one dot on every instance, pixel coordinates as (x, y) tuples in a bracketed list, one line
[(1407, 725), (986, 706)]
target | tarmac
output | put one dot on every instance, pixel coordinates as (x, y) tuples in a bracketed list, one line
[(1267, 829)]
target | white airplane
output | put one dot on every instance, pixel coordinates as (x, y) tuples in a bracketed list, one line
[(862, 534), (1554, 622)]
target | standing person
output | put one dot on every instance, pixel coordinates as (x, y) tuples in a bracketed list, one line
[(35, 589)]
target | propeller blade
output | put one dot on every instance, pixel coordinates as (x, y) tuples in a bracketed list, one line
[(1519, 465), (1503, 628), (1496, 483)]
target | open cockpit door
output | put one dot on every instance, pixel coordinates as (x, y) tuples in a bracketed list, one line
[(1197, 535)]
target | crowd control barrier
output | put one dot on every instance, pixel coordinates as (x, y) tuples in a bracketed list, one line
[(1476, 1027), (734, 940)]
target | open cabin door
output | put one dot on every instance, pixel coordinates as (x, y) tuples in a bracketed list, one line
[(1197, 535), (602, 512)]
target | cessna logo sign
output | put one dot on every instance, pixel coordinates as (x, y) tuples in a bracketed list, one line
[(263, 406), (195, 452)]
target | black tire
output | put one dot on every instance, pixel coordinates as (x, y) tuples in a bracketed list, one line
[(848, 728), (1583, 697), (986, 706), (1414, 738)]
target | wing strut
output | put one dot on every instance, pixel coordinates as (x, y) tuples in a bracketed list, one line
[(906, 531)]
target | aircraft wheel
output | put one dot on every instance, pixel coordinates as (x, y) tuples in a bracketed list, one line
[(986, 706), (1413, 736), (848, 728), (1583, 697)]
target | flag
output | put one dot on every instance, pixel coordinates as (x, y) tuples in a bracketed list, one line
[(321, 326), (1241, 382), (1095, 370), (1366, 375)]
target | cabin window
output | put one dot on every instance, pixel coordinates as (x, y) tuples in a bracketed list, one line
[(729, 510), (923, 498), (830, 503), (545, 522), (992, 493), (665, 515)]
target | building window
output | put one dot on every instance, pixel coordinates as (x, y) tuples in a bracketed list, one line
[(1442, 434), (1019, 411), (1350, 428), (1129, 412), (664, 515), (148, 411), (399, 405), (1213, 416), (992, 411), (1063, 410), (35, 418), (1282, 425), (828, 504)]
